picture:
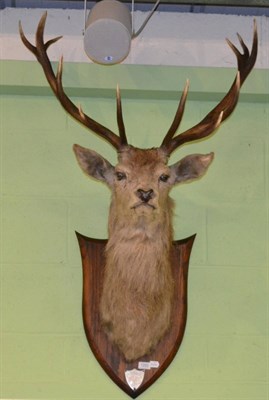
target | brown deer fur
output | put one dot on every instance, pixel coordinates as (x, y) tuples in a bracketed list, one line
[(138, 284)]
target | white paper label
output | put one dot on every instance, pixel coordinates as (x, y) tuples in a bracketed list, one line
[(154, 364), (143, 365), (148, 364)]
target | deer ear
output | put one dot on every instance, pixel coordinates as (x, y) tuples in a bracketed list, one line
[(191, 167), (93, 164)]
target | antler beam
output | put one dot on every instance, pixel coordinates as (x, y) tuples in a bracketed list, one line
[(55, 82), (245, 63)]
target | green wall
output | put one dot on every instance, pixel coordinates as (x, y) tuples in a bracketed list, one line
[(45, 197)]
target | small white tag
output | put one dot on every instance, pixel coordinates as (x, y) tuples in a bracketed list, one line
[(143, 365), (154, 364), (148, 365)]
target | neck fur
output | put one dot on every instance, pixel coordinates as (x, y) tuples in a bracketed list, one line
[(138, 283)]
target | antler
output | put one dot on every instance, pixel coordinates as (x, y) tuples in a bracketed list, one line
[(55, 82), (245, 63), (204, 128)]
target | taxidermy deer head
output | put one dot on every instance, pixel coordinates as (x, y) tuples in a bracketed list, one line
[(138, 286)]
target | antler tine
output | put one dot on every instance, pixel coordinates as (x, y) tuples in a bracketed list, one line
[(55, 82), (39, 50), (245, 63), (120, 119), (178, 117)]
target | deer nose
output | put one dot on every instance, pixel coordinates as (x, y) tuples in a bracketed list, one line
[(144, 195)]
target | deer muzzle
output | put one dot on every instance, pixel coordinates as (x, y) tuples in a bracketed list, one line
[(145, 195)]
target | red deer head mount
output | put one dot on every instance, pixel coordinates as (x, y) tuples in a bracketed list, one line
[(135, 306)]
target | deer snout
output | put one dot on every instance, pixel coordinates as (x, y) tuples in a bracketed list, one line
[(144, 195)]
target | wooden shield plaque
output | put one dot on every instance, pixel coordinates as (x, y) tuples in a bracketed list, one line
[(132, 377)]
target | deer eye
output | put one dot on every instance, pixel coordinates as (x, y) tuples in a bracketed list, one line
[(164, 178), (120, 176)]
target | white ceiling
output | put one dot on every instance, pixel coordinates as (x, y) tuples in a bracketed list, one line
[(170, 38)]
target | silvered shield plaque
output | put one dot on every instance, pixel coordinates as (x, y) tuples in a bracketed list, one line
[(107, 354), (134, 378)]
